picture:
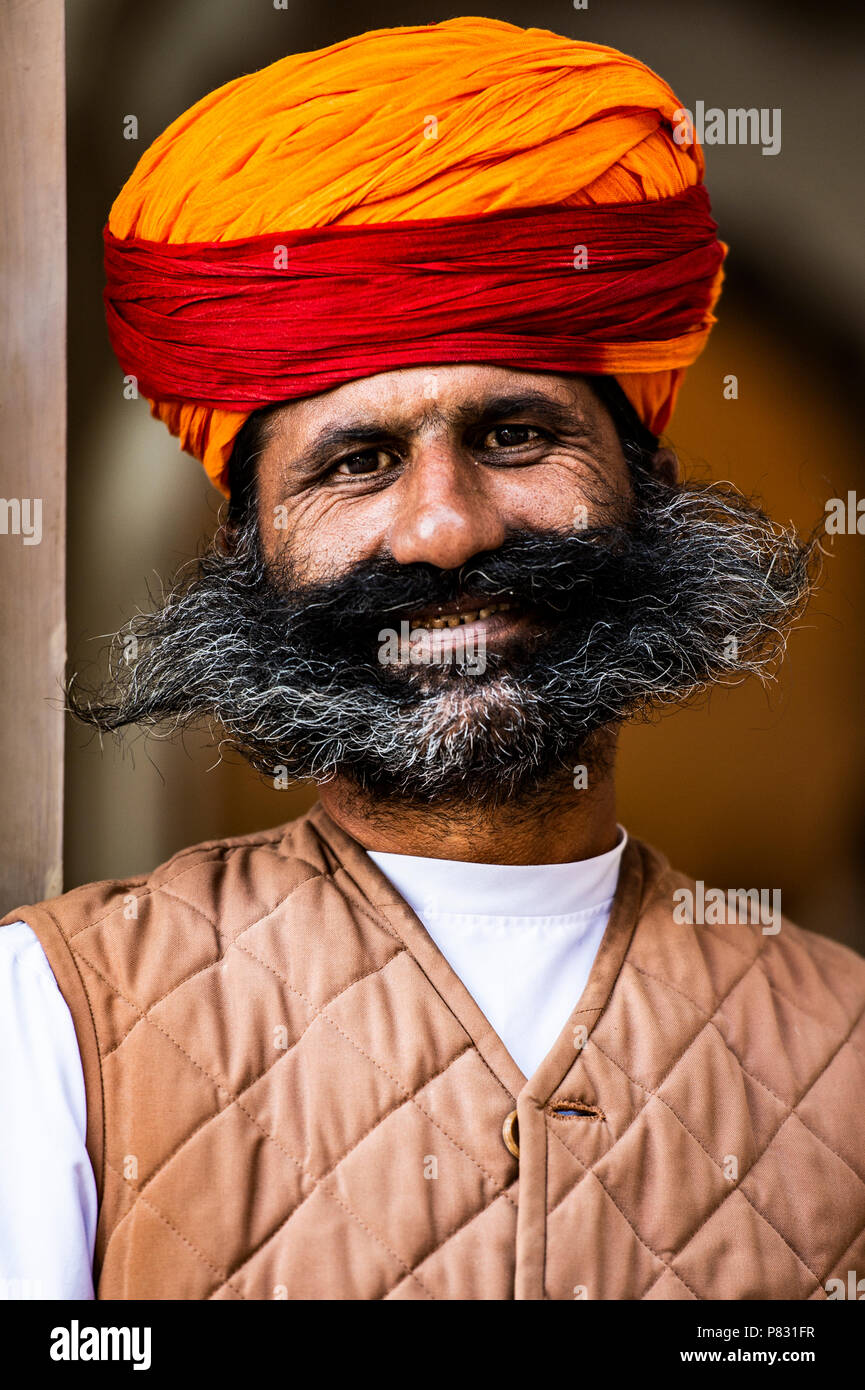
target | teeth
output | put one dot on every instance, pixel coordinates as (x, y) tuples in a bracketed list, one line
[(458, 619)]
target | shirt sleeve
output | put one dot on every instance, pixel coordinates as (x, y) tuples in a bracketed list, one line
[(48, 1201)]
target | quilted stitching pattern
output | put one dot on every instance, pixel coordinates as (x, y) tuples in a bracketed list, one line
[(743, 1071), (293, 1110), (232, 1091)]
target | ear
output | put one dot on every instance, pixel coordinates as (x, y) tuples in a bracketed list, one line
[(666, 467)]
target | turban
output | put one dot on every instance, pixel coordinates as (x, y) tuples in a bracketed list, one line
[(469, 191)]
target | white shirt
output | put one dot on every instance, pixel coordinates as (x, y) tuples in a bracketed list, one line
[(47, 1190), (522, 938)]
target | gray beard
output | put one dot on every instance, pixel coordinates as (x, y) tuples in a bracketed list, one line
[(699, 588)]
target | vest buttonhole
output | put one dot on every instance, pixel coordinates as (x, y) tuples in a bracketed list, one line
[(575, 1110)]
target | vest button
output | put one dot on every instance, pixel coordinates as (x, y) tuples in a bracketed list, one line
[(511, 1134)]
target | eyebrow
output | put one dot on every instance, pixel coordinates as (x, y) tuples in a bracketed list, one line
[(555, 414), (567, 418)]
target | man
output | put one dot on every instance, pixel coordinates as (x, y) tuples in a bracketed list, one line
[(421, 302)]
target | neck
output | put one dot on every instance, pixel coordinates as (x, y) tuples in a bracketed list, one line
[(554, 824)]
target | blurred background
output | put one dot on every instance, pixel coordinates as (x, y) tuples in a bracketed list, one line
[(752, 788)]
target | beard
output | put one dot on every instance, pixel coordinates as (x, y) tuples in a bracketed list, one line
[(694, 587)]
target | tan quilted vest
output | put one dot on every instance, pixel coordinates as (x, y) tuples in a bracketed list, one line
[(292, 1095)]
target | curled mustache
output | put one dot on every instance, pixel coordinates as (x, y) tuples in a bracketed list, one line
[(696, 587)]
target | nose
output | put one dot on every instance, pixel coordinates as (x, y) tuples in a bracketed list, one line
[(446, 511)]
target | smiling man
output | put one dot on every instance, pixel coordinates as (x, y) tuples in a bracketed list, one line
[(421, 302)]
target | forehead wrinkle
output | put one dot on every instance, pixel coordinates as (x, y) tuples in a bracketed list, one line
[(431, 416), (405, 421), (563, 415), (378, 424)]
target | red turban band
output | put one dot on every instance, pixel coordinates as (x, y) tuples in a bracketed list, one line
[(239, 324)]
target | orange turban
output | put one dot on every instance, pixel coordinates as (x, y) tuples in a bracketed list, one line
[(468, 117)]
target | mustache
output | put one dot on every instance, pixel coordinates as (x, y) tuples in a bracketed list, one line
[(550, 571), (695, 587)]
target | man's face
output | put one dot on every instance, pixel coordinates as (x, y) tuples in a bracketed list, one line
[(435, 466), (491, 512)]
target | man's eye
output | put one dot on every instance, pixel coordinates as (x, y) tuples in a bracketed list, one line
[(509, 436), (365, 464)]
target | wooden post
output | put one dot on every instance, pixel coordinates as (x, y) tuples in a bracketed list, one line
[(32, 447)]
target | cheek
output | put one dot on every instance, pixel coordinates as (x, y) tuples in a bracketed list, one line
[(563, 492), (326, 534)]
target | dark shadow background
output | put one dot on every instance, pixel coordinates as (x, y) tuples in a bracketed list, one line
[(751, 789)]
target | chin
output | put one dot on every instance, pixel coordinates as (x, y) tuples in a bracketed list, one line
[(485, 741)]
